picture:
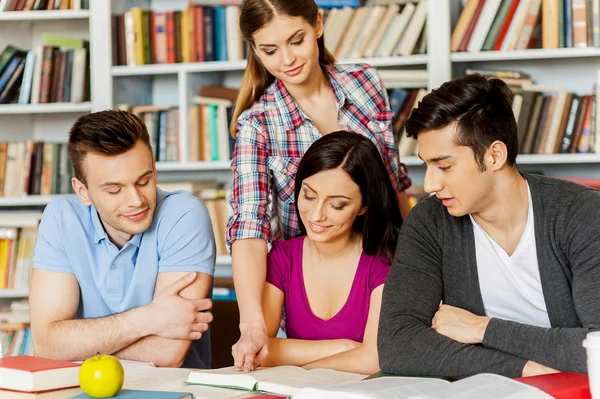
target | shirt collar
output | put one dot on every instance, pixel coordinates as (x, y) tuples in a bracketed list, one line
[(284, 102)]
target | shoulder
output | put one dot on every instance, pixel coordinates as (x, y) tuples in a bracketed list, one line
[(362, 86), (285, 251), (559, 194), (253, 119), (179, 206), (66, 209)]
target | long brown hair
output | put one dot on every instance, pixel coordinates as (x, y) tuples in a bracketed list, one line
[(254, 15)]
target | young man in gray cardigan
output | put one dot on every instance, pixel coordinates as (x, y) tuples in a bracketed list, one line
[(499, 272)]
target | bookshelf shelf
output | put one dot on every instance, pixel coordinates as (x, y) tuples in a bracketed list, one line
[(43, 15), (533, 159), (222, 66), (532, 54), (52, 108), (223, 260), (31, 200), (193, 166), (13, 293)]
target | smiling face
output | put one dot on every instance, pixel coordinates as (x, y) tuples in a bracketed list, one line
[(453, 174), (287, 48), (328, 204), (122, 188)]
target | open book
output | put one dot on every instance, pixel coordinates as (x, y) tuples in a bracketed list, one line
[(283, 380), (489, 386)]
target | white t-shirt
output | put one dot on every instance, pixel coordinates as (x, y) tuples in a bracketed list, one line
[(511, 287)]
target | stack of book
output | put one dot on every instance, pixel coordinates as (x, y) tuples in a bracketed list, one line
[(521, 24), (16, 256), (551, 120), (402, 102), (196, 34), (38, 5), (34, 168), (376, 31), (56, 71)]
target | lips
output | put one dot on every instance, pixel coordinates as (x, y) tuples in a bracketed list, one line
[(295, 71), (317, 228), (447, 201), (137, 216)]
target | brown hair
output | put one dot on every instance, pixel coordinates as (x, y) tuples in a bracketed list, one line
[(254, 15), (481, 108), (107, 133)]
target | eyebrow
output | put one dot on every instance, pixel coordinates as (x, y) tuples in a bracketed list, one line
[(437, 159), (110, 183), (287, 41), (329, 196)]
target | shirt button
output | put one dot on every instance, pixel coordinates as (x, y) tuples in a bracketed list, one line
[(113, 267), (381, 125)]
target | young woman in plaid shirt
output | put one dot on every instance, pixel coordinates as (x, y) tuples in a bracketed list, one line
[(291, 94)]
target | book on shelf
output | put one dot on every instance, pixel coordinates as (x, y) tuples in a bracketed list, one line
[(376, 30), (489, 386), (506, 25), (402, 102), (16, 256), (282, 380), (36, 374), (208, 31), (43, 5), (34, 168), (56, 71)]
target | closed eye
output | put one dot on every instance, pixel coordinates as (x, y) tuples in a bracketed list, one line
[(298, 42), (444, 168)]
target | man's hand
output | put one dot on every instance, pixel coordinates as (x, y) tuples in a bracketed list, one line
[(252, 348), (459, 324), (176, 317)]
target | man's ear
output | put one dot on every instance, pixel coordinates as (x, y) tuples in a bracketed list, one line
[(497, 155), (82, 191)]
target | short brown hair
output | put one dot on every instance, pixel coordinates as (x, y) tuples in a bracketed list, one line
[(107, 133), (480, 106)]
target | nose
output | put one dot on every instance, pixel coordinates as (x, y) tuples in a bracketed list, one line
[(318, 215), (433, 181), (287, 56), (134, 199)]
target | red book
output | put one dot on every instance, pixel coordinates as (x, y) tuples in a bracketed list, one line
[(465, 41), (561, 385), (170, 31), (36, 374), (507, 21)]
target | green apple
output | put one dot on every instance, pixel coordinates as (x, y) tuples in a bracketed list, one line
[(101, 376)]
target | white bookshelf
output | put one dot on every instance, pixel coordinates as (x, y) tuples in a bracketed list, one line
[(10, 293), (51, 108), (531, 54), (52, 15)]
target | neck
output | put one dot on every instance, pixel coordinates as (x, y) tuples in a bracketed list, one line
[(313, 87), (509, 205), (328, 251), (117, 237)]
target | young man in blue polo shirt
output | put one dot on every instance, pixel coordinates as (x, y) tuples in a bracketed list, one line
[(121, 268)]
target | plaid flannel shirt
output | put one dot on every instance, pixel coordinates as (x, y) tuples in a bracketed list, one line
[(274, 133)]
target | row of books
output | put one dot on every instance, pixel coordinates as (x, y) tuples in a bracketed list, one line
[(163, 127), (15, 334), (376, 31), (57, 71), (34, 168), (16, 256), (195, 34), (39, 5), (521, 24), (214, 195)]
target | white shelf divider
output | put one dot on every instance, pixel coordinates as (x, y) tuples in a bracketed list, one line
[(50, 108), (531, 54), (10, 293), (50, 15), (30, 200)]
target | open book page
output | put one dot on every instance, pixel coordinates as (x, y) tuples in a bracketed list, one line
[(230, 377), (170, 379), (293, 382), (489, 386), (379, 388)]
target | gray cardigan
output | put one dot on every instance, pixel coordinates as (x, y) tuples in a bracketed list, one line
[(435, 261)]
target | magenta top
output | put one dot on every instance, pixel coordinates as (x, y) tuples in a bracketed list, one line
[(284, 271)]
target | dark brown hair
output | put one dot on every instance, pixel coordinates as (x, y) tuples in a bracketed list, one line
[(359, 158), (481, 107), (107, 133), (254, 15)]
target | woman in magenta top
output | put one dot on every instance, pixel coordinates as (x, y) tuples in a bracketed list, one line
[(330, 279)]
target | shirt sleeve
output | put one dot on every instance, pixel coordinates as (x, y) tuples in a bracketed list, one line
[(397, 171), (278, 267), (49, 253), (185, 237), (379, 272), (249, 199)]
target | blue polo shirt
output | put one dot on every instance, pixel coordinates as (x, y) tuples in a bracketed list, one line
[(72, 240)]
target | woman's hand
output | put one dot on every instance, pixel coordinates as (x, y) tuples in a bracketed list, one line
[(252, 347)]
